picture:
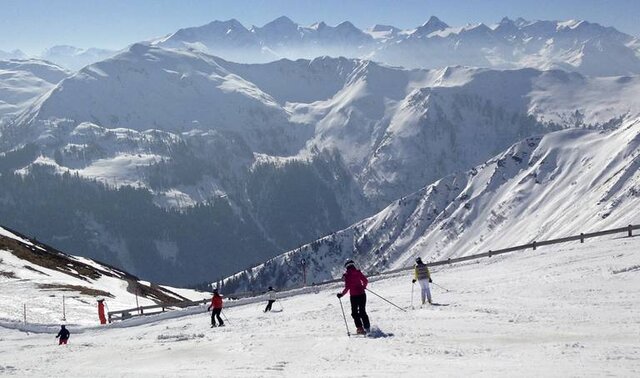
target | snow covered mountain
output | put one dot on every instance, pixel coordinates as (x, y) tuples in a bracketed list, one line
[(278, 154), (15, 54), (74, 58), (36, 277), (22, 81), (185, 91), (580, 46), (280, 38), (561, 184)]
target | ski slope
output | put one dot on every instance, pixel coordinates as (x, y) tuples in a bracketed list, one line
[(572, 310), (44, 285)]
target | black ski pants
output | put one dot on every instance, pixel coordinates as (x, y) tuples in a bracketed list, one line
[(215, 313), (269, 304), (358, 310)]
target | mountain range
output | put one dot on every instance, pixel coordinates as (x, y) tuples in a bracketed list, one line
[(580, 46), (171, 163), (560, 184)]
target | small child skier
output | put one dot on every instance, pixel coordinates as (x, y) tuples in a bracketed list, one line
[(216, 304), (63, 335), (422, 275), (271, 296), (355, 283)]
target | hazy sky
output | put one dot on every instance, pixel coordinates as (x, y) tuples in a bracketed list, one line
[(32, 25)]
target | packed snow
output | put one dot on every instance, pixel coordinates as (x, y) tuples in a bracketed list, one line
[(569, 310)]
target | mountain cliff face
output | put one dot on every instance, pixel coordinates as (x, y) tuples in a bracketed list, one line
[(579, 46), (209, 160), (561, 184)]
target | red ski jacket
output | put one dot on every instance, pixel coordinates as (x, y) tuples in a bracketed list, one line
[(354, 282), (216, 301)]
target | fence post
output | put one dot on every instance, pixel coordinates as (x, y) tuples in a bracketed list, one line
[(64, 310), (630, 230), (582, 237), (24, 313), (534, 245)]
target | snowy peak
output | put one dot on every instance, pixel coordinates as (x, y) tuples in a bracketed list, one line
[(509, 44), (44, 70), (15, 54), (175, 84), (74, 58), (432, 25), (281, 24), (23, 81)]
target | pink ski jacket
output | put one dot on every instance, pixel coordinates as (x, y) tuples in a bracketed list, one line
[(354, 282)]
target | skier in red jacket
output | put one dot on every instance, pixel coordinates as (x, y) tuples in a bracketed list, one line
[(355, 283), (216, 304)]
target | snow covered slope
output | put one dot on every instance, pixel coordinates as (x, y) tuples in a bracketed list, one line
[(570, 310), (37, 276), (579, 46), (152, 88), (22, 81), (561, 184)]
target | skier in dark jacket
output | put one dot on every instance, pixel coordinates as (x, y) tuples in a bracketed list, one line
[(63, 335), (216, 305), (271, 296), (355, 283)]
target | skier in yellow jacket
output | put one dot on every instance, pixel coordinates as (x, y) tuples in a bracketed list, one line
[(422, 275)]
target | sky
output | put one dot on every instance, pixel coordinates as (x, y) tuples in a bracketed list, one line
[(33, 25)]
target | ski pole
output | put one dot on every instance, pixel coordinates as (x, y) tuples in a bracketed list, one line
[(384, 299), (281, 308), (225, 317), (344, 317), (445, 289)]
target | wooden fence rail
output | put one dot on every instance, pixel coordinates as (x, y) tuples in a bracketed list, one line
[(140, 311)]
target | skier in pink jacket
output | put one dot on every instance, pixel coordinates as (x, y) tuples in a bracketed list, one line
[(355, 283)]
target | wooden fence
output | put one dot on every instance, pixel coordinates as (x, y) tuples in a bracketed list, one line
[(155, 309)]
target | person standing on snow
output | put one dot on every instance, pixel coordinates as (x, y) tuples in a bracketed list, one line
[(216, 304), (271, 295), (422, 275), (63, 335), (355, 283)]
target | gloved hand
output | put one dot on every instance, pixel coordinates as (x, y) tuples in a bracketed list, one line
[(430, 280), (208, 308), (339, 295), (413, 281)]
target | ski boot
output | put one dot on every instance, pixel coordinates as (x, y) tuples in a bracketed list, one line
[(360, 331)]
